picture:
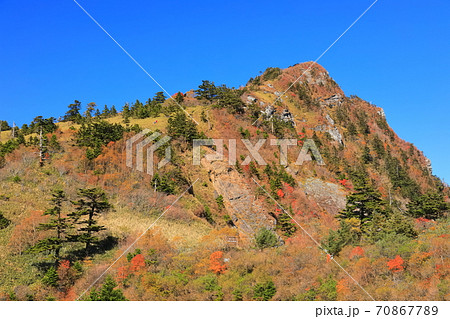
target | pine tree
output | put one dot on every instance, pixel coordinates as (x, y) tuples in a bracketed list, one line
[(429, 206), (362, 205), (57, 223), (126, 112), (113, 111), (352, 129), (180, 126), (179, 97), (207, 90), (107, 292), (265, 238), (106, 112), (73, 114), (92, 203), (159, 97), (366, 157), (345, 235), (264, 291), (4, 222), (51, 277), (89, 110), (230, 99)]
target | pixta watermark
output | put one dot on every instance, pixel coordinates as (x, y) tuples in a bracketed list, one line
[(146, 143)]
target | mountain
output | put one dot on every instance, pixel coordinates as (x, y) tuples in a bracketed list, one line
[(347, 191)]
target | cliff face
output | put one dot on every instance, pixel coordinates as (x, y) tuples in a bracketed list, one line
[(351, 134)]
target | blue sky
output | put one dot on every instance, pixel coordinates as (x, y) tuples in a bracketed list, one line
[(396, 56)]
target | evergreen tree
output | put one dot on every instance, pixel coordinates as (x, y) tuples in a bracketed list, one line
[(107, 292), (57, 223), (51, 277), (106, 112), (264, 291), (430, 206), (159, 97), (4, 126), (4, 222), (92, 203), (113, 111), (366, 157), (265, 238), (47, 125), (89, 110), (362, 205), (207, 91), (54, 144), (378, 146), (179, 125), (345, 235), (126, 112), (230, 99), (179, 97), (285, 224), (352, 129), (73, 114), (95, 134), (154, 108), (139, 110)]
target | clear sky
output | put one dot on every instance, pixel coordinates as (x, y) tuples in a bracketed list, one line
[(396, 56)]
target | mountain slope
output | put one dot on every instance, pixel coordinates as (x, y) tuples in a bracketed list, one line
[(235, 234)]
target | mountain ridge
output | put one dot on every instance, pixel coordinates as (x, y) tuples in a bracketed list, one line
[(233, 208)]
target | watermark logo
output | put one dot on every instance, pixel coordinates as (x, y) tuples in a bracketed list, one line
[(148, 143), (144, 141), (218, 155)]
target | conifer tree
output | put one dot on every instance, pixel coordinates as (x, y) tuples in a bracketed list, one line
[(429, 206), (180, 126), (207, 90), (113, 111), (73, 114), (179, 97), (107, 292), (92, 203), (106, 112), (159, 97), (126, 112), (57, 223), (362, 205)]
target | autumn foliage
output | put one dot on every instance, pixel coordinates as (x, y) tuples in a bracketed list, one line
[(216, 263), (396, 264)]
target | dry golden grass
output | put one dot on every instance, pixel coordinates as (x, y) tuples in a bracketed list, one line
[(122, 224), (4, 136)]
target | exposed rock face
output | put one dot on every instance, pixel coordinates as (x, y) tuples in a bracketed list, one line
[(251, 99), (329, 119), (333, 100), (246, 212), (331, 129), (428, 163), (287, 117), (335, 135), (330, 197), (381, 113)]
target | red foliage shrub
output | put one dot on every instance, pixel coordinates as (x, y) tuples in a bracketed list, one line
[(356, 252), (216, 263), (122, 273), (26, 233), (138, 262), (396, 264), (65, 264)]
